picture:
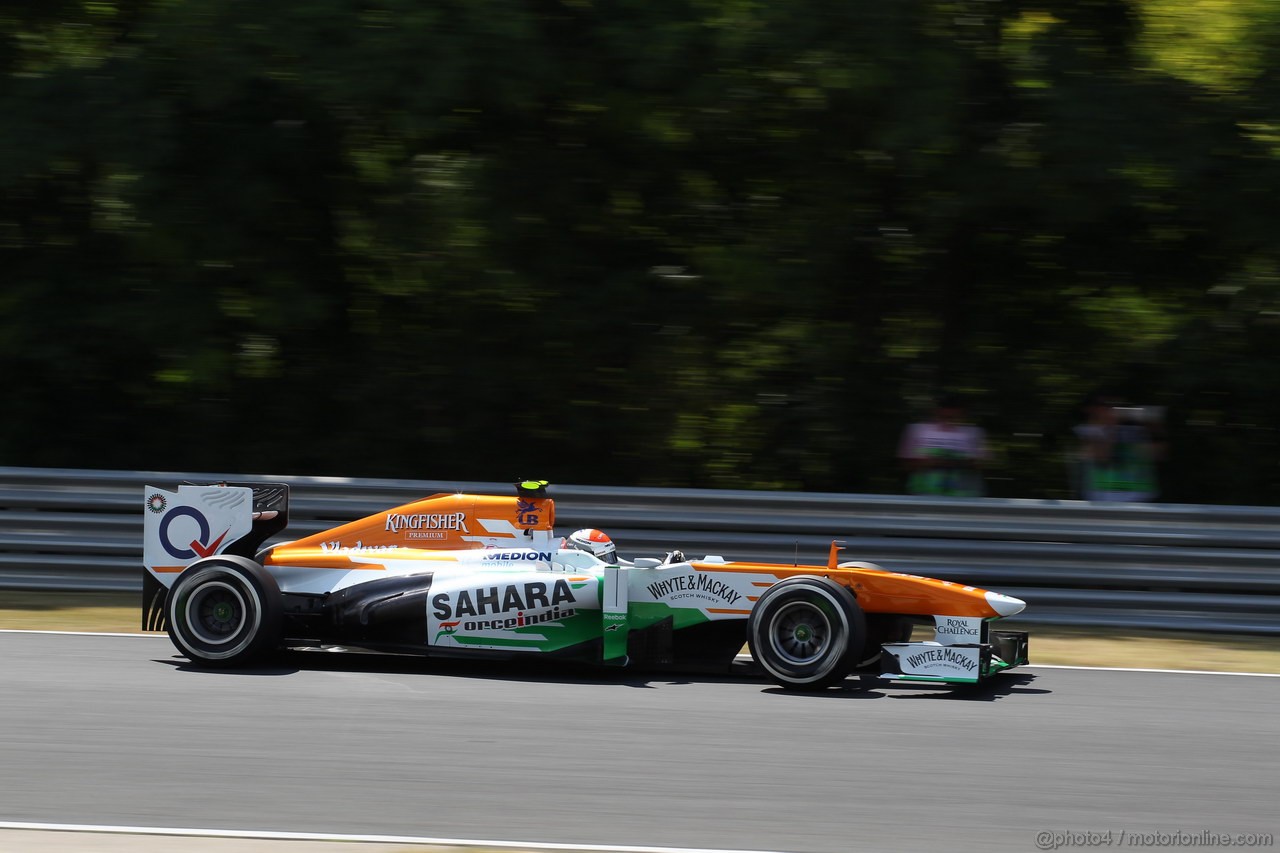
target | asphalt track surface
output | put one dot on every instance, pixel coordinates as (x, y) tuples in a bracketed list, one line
[(116, 730)]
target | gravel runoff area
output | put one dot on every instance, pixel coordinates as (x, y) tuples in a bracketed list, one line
[(119, 840), (54, 841), (41, 841)]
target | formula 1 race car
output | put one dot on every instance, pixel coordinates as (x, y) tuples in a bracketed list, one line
[(481, 575)]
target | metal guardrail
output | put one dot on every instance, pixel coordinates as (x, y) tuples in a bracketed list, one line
[(1180, 567)]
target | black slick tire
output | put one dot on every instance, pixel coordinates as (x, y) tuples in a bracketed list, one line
[(225, 611), (807, 633)]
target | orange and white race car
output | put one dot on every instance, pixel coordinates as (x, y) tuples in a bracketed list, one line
[(485, 575)]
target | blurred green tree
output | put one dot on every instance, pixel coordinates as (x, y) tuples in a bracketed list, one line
[(687, 242)]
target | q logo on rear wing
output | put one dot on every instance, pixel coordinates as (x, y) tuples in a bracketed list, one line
[(191, 523)]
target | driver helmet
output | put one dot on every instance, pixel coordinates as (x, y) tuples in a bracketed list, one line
[(594, 542)]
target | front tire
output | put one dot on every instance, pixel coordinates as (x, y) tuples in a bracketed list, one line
[(225, 611), (807, 632)]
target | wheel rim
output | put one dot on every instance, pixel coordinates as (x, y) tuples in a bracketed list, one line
[(801, 633), (215, 613)]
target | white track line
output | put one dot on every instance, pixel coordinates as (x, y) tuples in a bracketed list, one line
[(747, 659), (1141, 669), (365, 839), (78, 633)]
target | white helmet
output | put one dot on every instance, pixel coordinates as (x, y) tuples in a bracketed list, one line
[(594, 542)]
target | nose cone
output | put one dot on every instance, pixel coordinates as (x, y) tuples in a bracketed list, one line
[(1005, 605)]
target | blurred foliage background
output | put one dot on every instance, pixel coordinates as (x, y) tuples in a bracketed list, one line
[(715, 243)]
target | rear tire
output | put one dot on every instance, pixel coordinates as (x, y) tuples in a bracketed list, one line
[(225, 611), (807, 633)]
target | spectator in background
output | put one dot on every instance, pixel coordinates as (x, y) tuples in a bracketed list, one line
[(1118, 451), (944, 456)]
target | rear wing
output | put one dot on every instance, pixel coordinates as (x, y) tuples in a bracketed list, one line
[(198, 521)]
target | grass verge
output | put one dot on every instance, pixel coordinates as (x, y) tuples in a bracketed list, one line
[(116, 611)]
